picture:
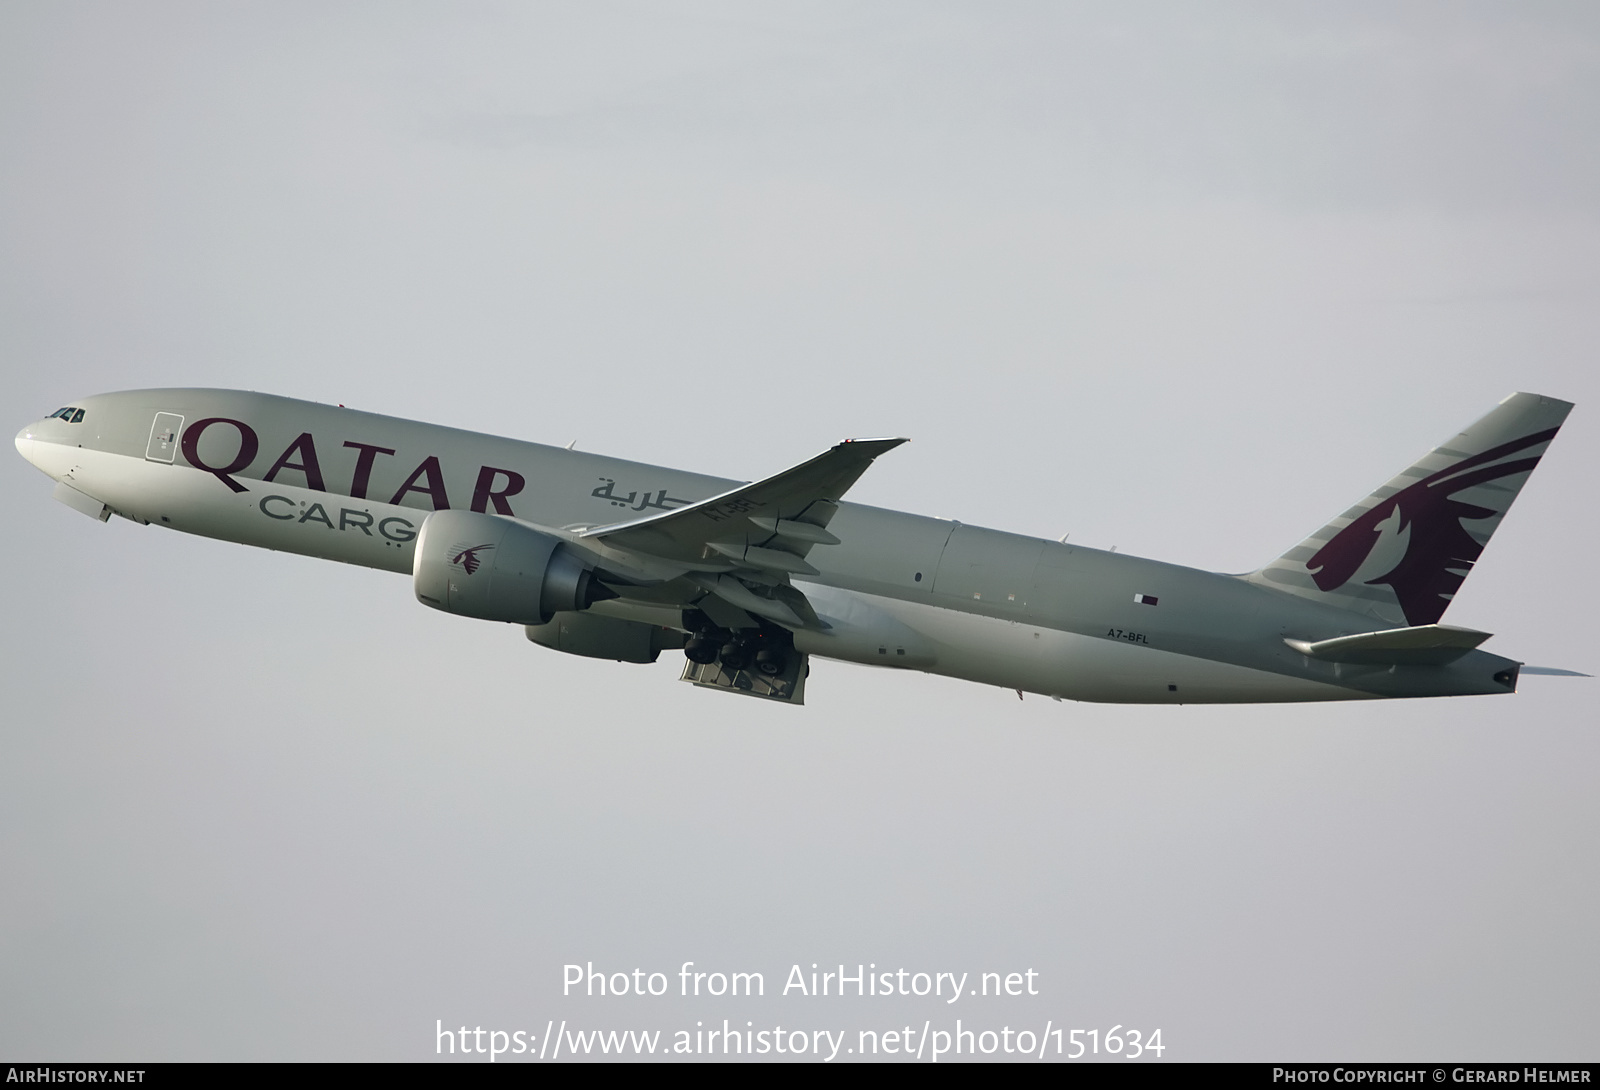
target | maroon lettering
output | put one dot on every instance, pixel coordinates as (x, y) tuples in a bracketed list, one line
[(308, 465), (434, 489), (364, 460), (249, 444), (484, 493)]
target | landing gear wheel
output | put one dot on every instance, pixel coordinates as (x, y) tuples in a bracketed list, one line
[(700, 650), (771, 661), (736, 655)]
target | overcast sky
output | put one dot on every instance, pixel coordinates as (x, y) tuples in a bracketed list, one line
[(1183, 279)]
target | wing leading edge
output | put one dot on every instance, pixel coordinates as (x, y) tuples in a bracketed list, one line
[(743, 545)]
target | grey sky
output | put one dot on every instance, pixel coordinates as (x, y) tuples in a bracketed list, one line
[(1186, 280)]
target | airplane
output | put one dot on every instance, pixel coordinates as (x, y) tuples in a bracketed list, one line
[(612, 559)]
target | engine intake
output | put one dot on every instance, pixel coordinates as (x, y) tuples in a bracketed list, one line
[(498, 569)]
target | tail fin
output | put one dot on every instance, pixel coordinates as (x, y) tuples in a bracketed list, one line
[(1400, 554)]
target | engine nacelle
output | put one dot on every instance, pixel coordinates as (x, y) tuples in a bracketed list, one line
[(597, 637), (498, 569)]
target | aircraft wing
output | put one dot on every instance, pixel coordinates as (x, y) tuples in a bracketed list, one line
[(744, 544), (770, 524)]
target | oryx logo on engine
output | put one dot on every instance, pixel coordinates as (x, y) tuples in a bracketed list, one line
[(467, 557)]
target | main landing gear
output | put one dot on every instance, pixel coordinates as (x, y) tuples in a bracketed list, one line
[(767, 649)]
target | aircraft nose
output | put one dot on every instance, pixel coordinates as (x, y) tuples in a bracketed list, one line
[(25, 442)]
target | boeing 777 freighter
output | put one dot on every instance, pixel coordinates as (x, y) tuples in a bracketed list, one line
[(620, 560)]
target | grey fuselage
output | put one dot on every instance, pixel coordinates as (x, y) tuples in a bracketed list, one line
[(899, 590)]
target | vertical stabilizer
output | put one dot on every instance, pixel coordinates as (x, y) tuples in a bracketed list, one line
[(1400, 554)]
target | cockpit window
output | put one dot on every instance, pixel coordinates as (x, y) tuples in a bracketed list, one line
[(77, 417), (71, 414), (58, 412)]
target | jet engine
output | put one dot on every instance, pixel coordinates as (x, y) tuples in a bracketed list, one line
[(498, 569), (598, 637)]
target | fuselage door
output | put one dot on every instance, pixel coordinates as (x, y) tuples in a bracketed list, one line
[(163, 445)]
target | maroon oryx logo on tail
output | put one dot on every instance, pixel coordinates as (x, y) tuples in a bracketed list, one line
[(468, 558), (1440, 551)]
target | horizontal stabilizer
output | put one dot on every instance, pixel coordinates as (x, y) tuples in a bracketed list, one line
[(1551, 671), (1424, 645)]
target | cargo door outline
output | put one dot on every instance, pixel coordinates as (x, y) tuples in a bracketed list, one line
[(164, 432)]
